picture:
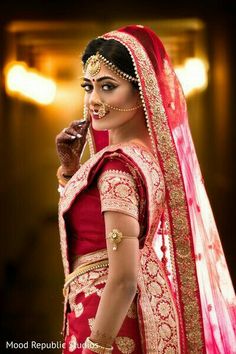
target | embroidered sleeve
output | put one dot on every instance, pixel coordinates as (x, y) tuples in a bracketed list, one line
[(118, 192)]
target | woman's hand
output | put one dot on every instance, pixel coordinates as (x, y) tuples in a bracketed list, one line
[(70, 142)]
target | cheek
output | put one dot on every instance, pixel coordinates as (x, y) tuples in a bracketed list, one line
[(123, 96)]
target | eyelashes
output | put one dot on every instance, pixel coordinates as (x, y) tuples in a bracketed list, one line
[(87, 87), (105, 87)]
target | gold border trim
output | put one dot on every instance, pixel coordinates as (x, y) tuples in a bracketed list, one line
[(180, 224)]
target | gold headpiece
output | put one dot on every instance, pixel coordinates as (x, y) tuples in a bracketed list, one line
[(93, 66)]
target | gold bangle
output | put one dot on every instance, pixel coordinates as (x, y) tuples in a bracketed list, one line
[(62, 182), (116, 237), (97, 348), (62, 179)]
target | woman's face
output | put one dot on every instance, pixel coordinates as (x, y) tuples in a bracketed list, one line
[(109, 88)]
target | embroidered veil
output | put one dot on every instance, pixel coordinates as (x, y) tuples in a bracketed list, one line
[(196, 264)]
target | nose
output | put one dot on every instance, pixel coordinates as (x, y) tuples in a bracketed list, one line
[(94, 100)]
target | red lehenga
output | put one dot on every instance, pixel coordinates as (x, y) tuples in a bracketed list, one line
[(185, 301)]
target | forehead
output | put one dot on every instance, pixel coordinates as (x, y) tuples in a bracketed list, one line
[(101, 71)]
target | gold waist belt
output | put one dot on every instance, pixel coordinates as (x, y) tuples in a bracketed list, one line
[(83, 268)]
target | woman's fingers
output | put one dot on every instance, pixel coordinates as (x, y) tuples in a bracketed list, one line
[(76, 129), (65, 138), (75, 132), (68, 135), (80, 126)]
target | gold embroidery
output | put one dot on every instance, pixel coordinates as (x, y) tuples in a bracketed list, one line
[(155, 183), (125, 345), (79, 309), (152, 268), (155, 292), (164, 309), (170, 350), (151, 93), (118, 192), (87, 282), (132, 312), (73, 344), (155, 289), (91, 323), (165, 331)]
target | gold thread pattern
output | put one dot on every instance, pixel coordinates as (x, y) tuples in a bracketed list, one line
[(73, 344), (149, 88), (125, 345), (158, 306), (140, 157), (132, 312), (118, 192)]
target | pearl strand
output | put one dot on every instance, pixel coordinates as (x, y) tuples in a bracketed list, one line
[(123, 109), (114, 68), (89, 138), (143, 101)]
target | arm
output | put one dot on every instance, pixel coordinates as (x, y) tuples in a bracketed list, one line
[(120, 204), (121, 285)]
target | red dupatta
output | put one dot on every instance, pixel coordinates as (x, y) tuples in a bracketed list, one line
[(198, 269)]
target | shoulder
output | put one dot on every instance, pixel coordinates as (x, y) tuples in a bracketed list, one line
[(116, 174), (118, 187)]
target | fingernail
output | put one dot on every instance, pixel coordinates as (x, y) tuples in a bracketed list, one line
[(79, 136), (73, 137)]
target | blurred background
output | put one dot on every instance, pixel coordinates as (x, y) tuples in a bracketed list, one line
[(41, 43)]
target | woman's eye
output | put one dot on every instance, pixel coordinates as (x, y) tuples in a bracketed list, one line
[(108, 87), (87, 87), (105, 87)]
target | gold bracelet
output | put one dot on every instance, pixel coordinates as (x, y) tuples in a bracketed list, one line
[(62, 179), (89, 344), (116, 237)]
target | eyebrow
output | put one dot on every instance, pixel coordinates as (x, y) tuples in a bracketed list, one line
[(100, 79)]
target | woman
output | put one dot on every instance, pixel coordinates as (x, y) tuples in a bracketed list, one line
[(145, 271)]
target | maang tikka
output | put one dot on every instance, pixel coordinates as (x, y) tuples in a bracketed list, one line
[(93, 66)]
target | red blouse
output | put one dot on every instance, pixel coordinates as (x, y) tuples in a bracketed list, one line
[(114, 189)]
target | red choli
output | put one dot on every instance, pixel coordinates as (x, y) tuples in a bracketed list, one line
[(114, 188)]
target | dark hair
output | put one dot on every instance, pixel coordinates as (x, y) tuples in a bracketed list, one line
[(114, 52)]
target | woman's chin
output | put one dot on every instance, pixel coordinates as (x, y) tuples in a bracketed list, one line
[(99, 126)]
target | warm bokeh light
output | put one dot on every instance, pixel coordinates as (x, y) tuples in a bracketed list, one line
[(192, 75), (28, 83)]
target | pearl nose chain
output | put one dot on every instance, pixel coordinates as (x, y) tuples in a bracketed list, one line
[(105, 107), (123, 109)]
